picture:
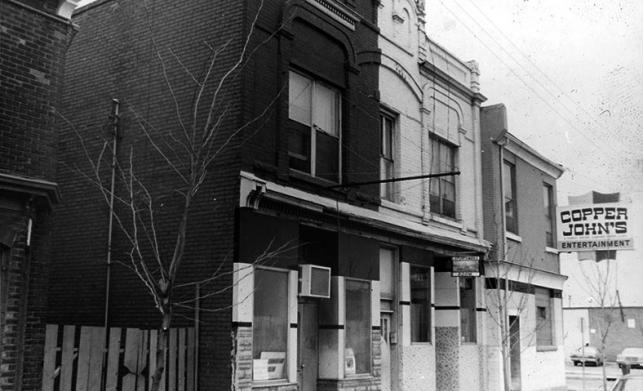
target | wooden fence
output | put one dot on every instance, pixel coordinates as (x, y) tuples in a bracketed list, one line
[(76, 359)]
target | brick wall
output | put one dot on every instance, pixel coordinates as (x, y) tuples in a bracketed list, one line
[(116, 55), (31, 69), (33, 42)]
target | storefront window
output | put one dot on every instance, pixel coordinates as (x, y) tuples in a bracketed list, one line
[(357, 352), (467, 309), (420, 304), (270, 324)]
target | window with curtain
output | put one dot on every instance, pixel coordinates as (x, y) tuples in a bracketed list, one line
[(357, 348), (548, 204), (442, 189), (420, 285), (270, 324), (509, 189), (387, 160), (314, 110)]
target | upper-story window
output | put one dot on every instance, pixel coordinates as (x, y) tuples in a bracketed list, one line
[(548, 203), (442, 189), (387, 160), (509, 189), (315, 134)]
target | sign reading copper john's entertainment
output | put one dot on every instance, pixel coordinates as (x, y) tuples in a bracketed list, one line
[(466, 266), (591, 227)]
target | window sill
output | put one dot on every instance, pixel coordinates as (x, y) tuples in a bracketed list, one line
[(513, 237), (546, 348), (271, 383), (358, 376), (305, 177), (551, 250), (399, 208), (447, 221)]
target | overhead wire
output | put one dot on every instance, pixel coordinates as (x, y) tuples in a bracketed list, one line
[(511, 69)]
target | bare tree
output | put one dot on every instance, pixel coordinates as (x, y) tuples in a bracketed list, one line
[(187, 150), (600, 284), (506, 305)]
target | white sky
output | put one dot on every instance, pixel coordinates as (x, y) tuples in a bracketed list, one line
[(570, 73)]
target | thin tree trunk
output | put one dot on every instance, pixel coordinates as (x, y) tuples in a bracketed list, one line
[(161, 351)]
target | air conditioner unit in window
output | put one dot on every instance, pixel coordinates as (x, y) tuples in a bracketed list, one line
[(314, 281)]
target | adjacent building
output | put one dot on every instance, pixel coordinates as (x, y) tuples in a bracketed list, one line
[(34, 36), (430, 110), (358, 290), (302, 269), (522, 272)]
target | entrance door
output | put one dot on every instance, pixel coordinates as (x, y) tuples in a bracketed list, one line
[(385, 323), (514, 353), (308, 357)]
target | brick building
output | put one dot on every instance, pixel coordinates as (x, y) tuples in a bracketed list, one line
[(308, 114), (34, 36), (522, 272)]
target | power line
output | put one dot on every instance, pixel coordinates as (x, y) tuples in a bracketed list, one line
[(557, 89), (494, 53)]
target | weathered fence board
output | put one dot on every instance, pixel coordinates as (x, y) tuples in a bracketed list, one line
[(68, 355), (49, 364), (111, 378), (191, 356), (84, 358)]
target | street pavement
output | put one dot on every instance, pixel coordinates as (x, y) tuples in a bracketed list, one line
[(593, 377)]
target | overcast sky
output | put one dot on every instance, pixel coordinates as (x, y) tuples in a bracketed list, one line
[(570, 73)]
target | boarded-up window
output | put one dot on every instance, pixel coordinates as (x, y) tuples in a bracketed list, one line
[(544, 318)]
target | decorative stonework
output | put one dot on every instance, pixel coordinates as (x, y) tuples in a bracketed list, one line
[(337, 12)]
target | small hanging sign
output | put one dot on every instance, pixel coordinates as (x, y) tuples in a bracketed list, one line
[(465, 266)]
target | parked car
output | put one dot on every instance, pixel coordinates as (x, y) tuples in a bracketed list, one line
[(630, 356), (629, 383), (588, 355)]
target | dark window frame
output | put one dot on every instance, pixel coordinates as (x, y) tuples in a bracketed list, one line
[(310, 137), (284, 319), (468, 334), (387, 155), (367, 330), (510, 203), (548, 199), (439, 204), (424, 334)]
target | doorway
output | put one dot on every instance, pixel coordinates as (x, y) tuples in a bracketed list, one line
[(308, 355), (514, 351)]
